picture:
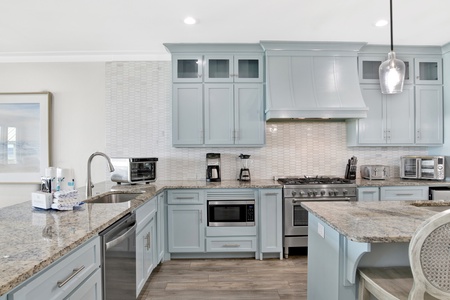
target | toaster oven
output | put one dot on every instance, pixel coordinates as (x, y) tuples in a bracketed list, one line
[(134, 170), (423, 167)]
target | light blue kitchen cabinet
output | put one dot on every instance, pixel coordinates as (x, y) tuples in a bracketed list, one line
[(270, 222), (161, 227), (392, 193), (390, 119), (146, 255), (368, 68), (90, 289), (208, 111), (249, 115), (186, 228), (73, 275), (428, 70), (368, 194), (187, 68), (233, 68), (429, 115), (187, 114), (219, 114)]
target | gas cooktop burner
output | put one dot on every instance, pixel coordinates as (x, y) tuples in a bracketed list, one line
[(314, 180)]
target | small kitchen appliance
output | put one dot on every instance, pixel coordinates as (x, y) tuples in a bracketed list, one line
[(212, 167), (422, 167), (372, 172), (134, 170), (244, 173), (350, 171)]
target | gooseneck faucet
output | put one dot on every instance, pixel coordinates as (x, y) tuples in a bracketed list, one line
[(89, 184)]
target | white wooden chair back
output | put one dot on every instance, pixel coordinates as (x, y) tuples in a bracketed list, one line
[(429, 255)]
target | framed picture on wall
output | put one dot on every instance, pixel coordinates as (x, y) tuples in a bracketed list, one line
[(24, 136)]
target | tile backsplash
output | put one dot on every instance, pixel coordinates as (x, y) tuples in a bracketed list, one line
[(138, 123)]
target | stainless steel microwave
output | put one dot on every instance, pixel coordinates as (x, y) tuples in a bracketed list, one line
[(134, 170), (422, 167), (231, 213)]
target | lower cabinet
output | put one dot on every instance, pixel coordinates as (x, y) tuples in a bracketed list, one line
[(403, 193), (270, 222), (231, 244), (186, 228), (368, 194), (91, 289), (146, 256), (76, 275), (160, 227)]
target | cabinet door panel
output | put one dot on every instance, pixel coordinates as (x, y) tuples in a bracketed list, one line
[(372, 129), (400, 117), (219, 128), (219, 68), (248, 68), (249, 114), (187, 117), (187, 68), (429, 115), (186, 230), (428, 70), (271, 221)]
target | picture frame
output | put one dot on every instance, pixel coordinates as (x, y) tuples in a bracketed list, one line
[(24, 136)]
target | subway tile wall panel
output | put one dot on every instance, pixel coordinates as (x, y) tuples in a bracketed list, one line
[(138, 123)]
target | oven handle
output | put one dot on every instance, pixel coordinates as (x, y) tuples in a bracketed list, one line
[(296, 200)]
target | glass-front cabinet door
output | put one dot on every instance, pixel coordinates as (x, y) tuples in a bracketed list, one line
[(187, 68), (428, 71), (248, 68), (234, 68), (219, 68), (369, 69)]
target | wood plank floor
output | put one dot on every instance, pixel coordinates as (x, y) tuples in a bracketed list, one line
[(228, 279)]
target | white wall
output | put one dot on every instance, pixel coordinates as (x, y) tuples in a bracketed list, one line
[(78, 116)]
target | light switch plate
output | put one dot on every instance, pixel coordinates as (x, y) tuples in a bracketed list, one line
[(321, 230)]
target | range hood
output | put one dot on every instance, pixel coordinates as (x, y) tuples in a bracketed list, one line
[(313, 80)]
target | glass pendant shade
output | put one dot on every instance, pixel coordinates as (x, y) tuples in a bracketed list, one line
[(392, 75)]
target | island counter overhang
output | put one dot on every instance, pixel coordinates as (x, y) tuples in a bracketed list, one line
[(346, 235)]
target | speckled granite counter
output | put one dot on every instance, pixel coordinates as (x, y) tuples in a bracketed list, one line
[(400, 182), (377, 221), (32, 239)]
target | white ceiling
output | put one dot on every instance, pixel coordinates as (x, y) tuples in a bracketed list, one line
[(33, 30)]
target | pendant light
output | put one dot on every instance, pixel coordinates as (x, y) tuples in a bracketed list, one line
[(392, 71)]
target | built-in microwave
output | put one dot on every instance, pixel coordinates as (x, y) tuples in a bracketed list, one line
[(231, 213), (422, 167), (133, 170)]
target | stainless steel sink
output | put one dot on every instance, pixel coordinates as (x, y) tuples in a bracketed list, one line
[(114, 198)]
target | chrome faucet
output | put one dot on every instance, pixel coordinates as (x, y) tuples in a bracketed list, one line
[(89, 184)]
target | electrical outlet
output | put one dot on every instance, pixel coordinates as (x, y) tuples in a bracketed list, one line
[(321, 230)]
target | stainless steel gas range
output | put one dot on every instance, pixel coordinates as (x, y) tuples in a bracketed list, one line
[(308, 188)]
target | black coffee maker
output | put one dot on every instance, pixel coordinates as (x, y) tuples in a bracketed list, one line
[(212, 167)]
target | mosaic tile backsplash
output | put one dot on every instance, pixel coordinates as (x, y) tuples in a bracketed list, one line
[(139, 112)]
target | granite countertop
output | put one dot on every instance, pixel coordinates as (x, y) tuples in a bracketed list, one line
[(375, 221), (32, 238)]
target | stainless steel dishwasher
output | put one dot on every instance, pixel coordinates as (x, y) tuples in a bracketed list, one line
[(119, 259)]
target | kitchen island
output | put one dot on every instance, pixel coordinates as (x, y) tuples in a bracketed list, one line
[(346, 235), (32, 239)]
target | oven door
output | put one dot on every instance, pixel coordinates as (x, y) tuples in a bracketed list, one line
[(296, 218), (231, 213), (143, 171)]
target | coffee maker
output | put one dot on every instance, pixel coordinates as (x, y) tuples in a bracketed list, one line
[(244, 174), (212, 167)]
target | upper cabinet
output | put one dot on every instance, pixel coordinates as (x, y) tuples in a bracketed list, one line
[(428, 70), (218, 98), (234, 68), (413, 117)]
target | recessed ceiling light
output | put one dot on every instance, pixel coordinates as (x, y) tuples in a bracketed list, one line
[(190, 21), (381, 23)]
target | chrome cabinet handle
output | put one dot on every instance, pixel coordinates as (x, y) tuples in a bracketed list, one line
[(418, 134), (148, 244), (184, 198), (231, 245), (270, 194), (402, 194), (74, 273), (200, 216)]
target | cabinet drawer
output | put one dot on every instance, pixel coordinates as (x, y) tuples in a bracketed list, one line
[(63, 276), (185, 197), (404, 193), (145, 212), (231, 244)]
